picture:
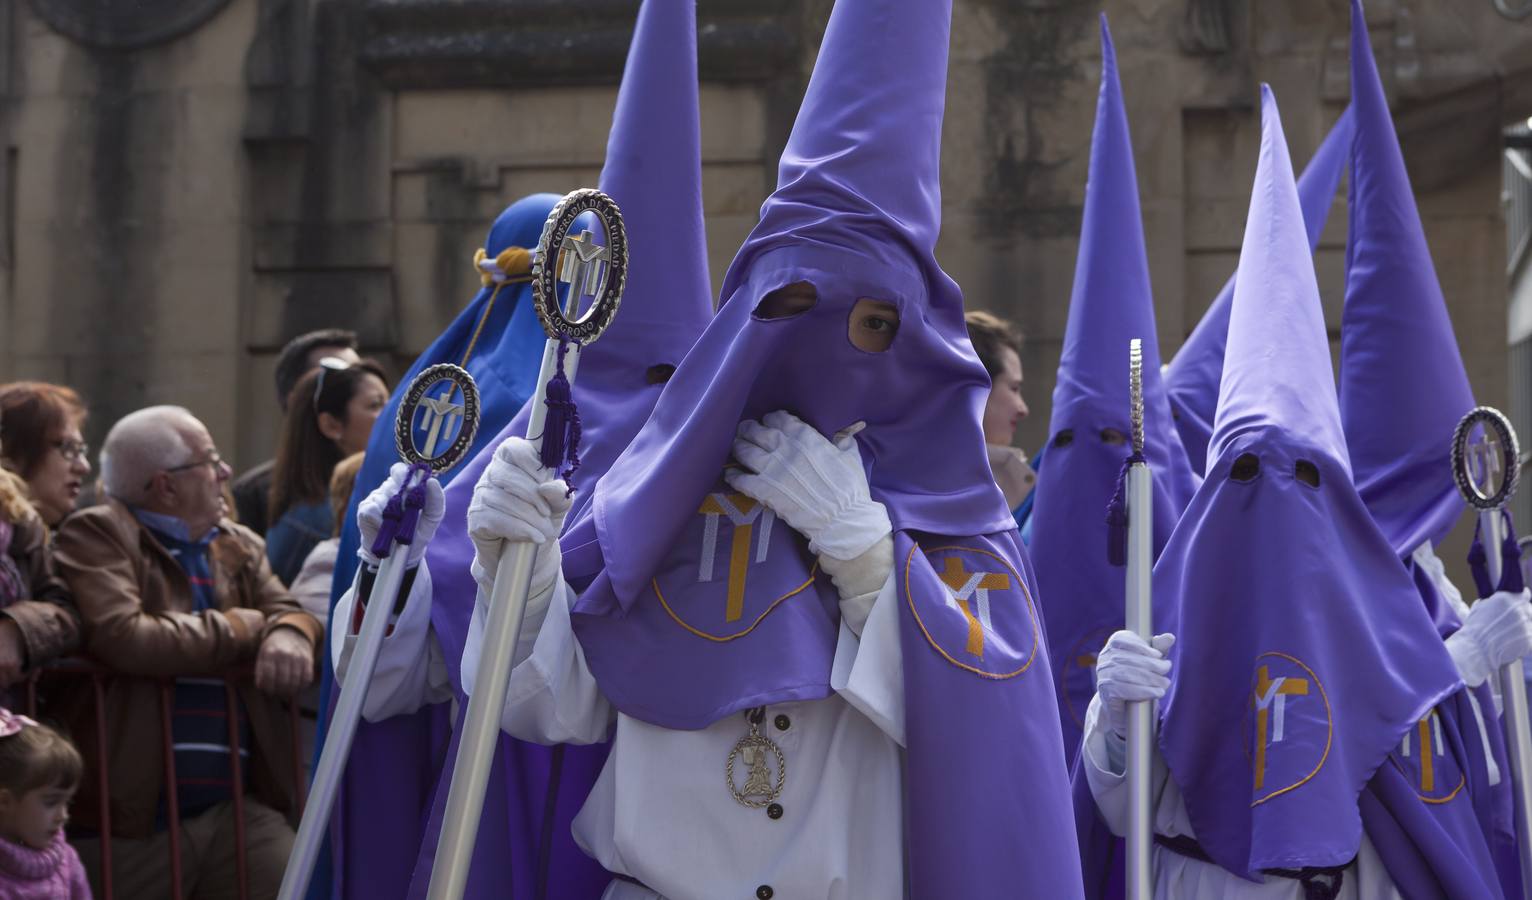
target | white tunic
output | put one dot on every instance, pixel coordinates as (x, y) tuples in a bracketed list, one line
[(1183, 878), (660, 812)]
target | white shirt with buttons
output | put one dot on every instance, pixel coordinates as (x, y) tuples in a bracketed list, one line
[(661, 813)]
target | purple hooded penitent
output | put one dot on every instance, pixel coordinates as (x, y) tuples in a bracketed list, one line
[(1304, 656), (1081, 593), (390, 775), (707, 605), (653, 171), (1192, 377), (1403, 390)]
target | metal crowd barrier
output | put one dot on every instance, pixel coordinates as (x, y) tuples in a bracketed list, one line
[(98, 677)]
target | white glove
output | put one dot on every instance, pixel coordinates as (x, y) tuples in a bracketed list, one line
[(516, 500), (1130, 668), (818, 488), (369, 516), (1498, 630)]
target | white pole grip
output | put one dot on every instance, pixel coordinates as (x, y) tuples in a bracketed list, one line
[(481, 721), (1140, 843), (343, 725)]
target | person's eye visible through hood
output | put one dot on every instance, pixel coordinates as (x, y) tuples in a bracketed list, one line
[(795, 298), (874, 324)]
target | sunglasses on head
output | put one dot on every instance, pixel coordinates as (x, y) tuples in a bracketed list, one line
[(327, 365)]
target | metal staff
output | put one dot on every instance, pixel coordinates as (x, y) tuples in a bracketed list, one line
[(435, 427), (590, 269), (1475, 468), (1140, 502)]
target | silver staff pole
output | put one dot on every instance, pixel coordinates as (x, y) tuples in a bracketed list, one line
[(1140, 500), (593, 269), (1478, 467), (435, 427)]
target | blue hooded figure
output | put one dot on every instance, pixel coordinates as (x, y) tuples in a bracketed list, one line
[(390, 776)]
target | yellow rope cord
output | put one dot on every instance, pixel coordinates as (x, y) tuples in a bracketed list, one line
[(516, 264)]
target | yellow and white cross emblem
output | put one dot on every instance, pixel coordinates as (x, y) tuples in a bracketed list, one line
[(743, 513), (964, 586), (1271, 713), (1428, 734)]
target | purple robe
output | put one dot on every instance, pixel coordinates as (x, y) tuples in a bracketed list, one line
[(856, 214), (1403, 389), (653, 171), (1304, 656), (1082, 594)]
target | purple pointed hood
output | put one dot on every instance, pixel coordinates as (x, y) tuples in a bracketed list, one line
[(1303, 653), (653, 171), (1112, 303), (1403, 388), (856, 214), (1192, 377)]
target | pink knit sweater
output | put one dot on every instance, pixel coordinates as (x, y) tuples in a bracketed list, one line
[(51, 874)]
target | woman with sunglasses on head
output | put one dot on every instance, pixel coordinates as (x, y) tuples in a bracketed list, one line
[(42, 464), (329, 418)]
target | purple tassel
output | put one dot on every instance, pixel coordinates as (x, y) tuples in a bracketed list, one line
[(561, 428), (414, 502), (1117, 516), (393, 513), (1511, 577), (402, 513), (1478, 564)]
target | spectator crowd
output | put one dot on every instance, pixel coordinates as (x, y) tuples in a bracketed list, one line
[(163, 601)]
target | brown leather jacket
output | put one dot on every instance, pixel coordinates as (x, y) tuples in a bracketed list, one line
[(136, 606), (49, 623)]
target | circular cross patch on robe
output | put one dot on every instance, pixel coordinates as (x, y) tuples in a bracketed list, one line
[(734, 565), (1288, 726), (973, 607), (1428, 762)]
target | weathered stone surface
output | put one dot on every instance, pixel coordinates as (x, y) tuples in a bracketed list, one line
[(526, 43), (170, 215), (118, 25)]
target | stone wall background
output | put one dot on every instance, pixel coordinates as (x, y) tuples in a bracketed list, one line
[(185, 184)]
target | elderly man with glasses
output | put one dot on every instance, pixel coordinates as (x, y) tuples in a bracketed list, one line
[(169, 588)]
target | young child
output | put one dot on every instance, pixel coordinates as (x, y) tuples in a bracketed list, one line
[(39, 771)]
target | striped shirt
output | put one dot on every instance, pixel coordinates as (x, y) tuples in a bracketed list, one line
[(199, 725)]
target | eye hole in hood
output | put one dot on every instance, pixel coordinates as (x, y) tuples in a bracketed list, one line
[(1306, 472), (788, 301)]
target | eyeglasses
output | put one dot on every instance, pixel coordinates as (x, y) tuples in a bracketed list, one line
[(214, 460), (326, 365), (72, 451)]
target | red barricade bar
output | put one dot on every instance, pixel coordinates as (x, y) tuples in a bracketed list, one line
[(99, 676)]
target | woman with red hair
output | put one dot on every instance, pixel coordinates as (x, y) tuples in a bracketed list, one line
[(42, 464), (40, 432)]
